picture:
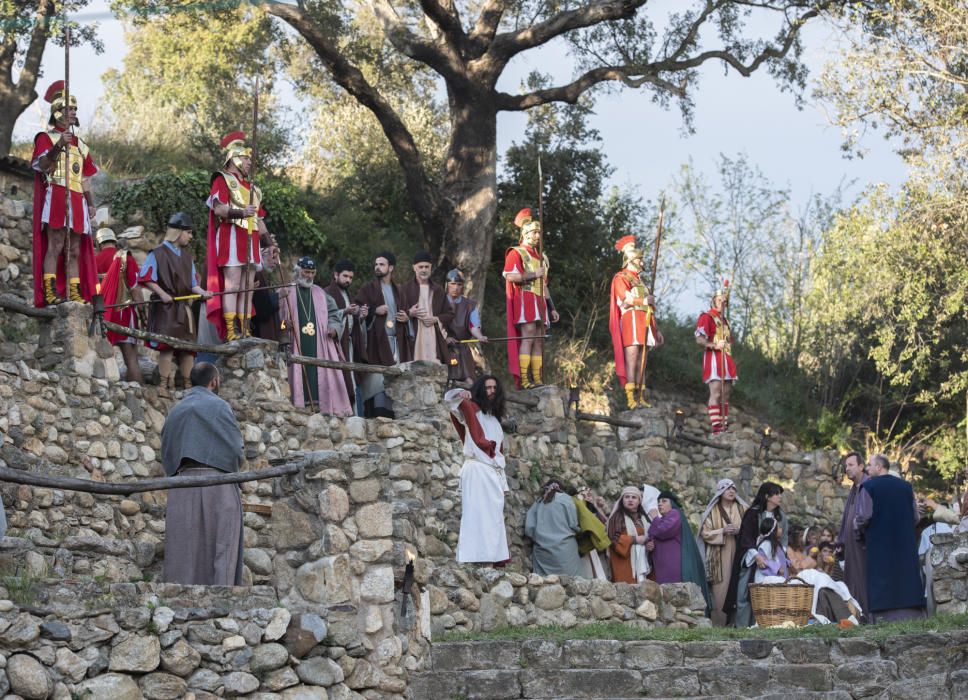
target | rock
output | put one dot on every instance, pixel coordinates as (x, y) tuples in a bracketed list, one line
[(306, 693), (70, 665), (503, 591), (55, 630), (375, 520), (162, 618), (551, 597), (180, 658), (110, 686), (334, 504), (28, 678), (326, 580), (22, 633), (135, 654), (162, 686), (280, 679), (305, 631), (233, 642), (129, 507), (268, 657), (320, 671), (239, 683), (377, 585), (205, 679), (277, 625), (258, 561), (647, 610)]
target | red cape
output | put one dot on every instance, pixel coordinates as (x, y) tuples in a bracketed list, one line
[(615, 329), (514, 366), (214, 280), (85, 263)]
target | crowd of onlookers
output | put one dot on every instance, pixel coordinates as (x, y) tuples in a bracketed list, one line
[(873, 567)]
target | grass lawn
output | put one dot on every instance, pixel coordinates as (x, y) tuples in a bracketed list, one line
[(612, 630)]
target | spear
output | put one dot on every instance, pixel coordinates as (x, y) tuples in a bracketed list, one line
[(540, 226), (189, 297), (250, 224), (510, 337), (722, 366), (640, 384), (68, 219)]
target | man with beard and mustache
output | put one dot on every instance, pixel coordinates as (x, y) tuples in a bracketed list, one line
[(304, 312), (428, 313), (483, 483), (203, 525), (386, 330), (347, 318)]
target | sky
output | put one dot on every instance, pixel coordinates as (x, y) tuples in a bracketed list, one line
[(794, 148)]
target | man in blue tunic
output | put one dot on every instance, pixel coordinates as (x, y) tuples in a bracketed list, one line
[(885, 518)]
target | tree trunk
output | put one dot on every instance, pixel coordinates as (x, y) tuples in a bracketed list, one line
[(11, 107), (469, 190)]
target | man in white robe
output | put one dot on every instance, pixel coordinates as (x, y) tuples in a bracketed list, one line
[(483, 484)]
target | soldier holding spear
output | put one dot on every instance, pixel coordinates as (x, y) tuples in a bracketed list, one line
[(718, 369)]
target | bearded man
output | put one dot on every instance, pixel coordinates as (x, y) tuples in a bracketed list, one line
[(386, 330), (63, 252), (348, 318), (425, 308), (631, 322), (303, 311)]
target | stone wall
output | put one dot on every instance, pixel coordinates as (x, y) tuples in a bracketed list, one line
[(949, 559), (913, 666)]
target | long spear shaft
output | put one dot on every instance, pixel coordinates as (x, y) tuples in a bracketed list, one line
[(68, 218), (246, 297), (640, 384), (188, 297), (510, 337), (540, 226)]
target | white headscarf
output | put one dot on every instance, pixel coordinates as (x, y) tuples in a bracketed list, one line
[(721, 486)]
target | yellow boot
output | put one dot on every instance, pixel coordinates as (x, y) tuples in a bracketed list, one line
[(525, 363), (536, 362), (630, 396), (640, 393), (230, 331), (50, 290), (74, 290)]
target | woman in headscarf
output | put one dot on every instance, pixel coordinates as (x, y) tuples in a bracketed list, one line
[(766, 505), (552, 523), (677, 546), (718, 530), (627, 528)]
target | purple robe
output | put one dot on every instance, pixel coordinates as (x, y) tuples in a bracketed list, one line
[(332, 390), (855, 558), (666, 532)]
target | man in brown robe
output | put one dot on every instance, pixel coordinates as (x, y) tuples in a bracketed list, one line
[(385, 328), (347, 318), (427, 312), (855, 558), (203, 524), (169, 273), (466, 325)]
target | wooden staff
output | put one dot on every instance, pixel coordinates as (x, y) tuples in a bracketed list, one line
[(68, 223), (541, 281), (640, 383), (722, 368), (252, 222)]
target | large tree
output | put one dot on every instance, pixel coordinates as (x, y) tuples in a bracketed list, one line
[(25, 29), (612, 42)]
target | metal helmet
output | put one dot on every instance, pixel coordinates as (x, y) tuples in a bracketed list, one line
[(104, 235), (181, 220)]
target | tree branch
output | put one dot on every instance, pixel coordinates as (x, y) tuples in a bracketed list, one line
[(351, 79), (405, 41), (35, 51), (572, 91), (487, 24), (444, 14), (508, 44)]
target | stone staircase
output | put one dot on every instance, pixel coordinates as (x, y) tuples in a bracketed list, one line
[(918, 667)]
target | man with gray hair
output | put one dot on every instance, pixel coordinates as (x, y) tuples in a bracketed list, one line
[(885, 519), (203, 525)]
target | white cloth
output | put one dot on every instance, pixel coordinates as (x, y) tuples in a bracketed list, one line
[(639, 554), (819, 580), (483, 536), (650, 498)]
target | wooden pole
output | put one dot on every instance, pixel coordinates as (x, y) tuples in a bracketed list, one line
[(69, 127)]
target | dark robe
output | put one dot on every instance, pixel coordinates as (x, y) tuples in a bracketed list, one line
[(410, 295), (737, 606), (893, 569), (175, 278), (460, 329), (351, 341), (265, 322), (377, 342), (855, 558)]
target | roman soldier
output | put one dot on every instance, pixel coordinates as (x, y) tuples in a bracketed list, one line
[(235, 227), (631, 322), (119, 274), (718, 369), (529, 305), (56, 175)]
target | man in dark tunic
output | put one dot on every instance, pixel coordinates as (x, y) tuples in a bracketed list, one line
[(887, 514), (169, 273), (203, 525), (465, 325), (428, 314), (855, 558), (386, 328), (347, 318)]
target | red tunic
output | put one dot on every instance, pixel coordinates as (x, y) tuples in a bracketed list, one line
[(629, 327), (109, 262), (523, 304), (226, 243), (706, 327), (49, 209)]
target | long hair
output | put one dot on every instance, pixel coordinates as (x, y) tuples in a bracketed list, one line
[(495, 405), (767, 489)]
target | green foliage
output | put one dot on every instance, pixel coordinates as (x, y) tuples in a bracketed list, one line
[(158, 196), (22, 587)]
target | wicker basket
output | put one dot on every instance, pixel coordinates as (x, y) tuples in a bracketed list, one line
[(776, 603)]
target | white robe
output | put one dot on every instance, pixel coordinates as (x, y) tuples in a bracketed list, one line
[(483, 483)]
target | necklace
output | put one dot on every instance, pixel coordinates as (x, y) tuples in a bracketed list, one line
[(309, 328)]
